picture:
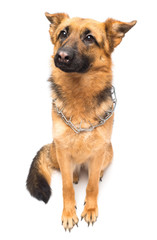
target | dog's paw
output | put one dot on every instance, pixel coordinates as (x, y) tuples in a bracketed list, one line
[(101, 175), (75, 178), (90, 214), (69, 219)]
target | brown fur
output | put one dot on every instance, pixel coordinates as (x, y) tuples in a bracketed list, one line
[(78, 94)]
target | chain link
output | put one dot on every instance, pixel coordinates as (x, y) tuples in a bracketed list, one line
[(101, 122)]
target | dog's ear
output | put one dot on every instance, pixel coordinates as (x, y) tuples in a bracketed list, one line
[(115, 31), (55, 20)]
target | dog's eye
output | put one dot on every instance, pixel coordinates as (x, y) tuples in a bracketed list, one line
[(89, 39), (63, 34)]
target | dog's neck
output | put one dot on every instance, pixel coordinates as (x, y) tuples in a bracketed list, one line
[(100, 120), (69, 87), (77, 93)]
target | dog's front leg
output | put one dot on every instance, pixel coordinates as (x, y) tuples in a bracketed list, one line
[(69, 217), (90, 212)]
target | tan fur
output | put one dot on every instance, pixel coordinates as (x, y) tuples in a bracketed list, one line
[(45, 163), (93, 148), (70, 150)]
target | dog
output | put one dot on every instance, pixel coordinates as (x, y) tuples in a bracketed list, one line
[(83, 111)]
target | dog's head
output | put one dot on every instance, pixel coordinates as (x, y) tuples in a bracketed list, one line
[(81, 44)]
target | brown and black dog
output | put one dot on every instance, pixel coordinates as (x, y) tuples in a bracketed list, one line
[(81, 83)]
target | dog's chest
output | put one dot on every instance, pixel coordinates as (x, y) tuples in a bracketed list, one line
[(81, 146)]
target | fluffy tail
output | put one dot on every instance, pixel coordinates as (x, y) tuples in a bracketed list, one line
[(39, 177)]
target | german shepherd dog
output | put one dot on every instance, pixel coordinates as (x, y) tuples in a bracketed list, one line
[(82, 113)]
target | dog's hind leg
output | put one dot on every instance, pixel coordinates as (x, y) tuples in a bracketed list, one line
[(39, 177), (76, 174), (107, 159)]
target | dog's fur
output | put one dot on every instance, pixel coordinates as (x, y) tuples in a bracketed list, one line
[(81, 81)]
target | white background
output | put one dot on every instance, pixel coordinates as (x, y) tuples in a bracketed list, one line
[(128, 193)]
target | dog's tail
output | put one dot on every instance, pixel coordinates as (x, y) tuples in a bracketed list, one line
[(39, 177)]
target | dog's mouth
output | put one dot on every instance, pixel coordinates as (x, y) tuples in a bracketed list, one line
[(69, 60)]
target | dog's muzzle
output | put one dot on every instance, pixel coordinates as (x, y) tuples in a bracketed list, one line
[(69, 59), (64, 56), (63, 59)]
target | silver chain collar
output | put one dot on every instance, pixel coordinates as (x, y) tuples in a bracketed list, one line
[(101, 120)]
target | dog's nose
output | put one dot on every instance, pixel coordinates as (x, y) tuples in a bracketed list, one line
[(64, 56)]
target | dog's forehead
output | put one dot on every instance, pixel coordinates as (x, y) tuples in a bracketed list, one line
[(82, 21), (82, 24)]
